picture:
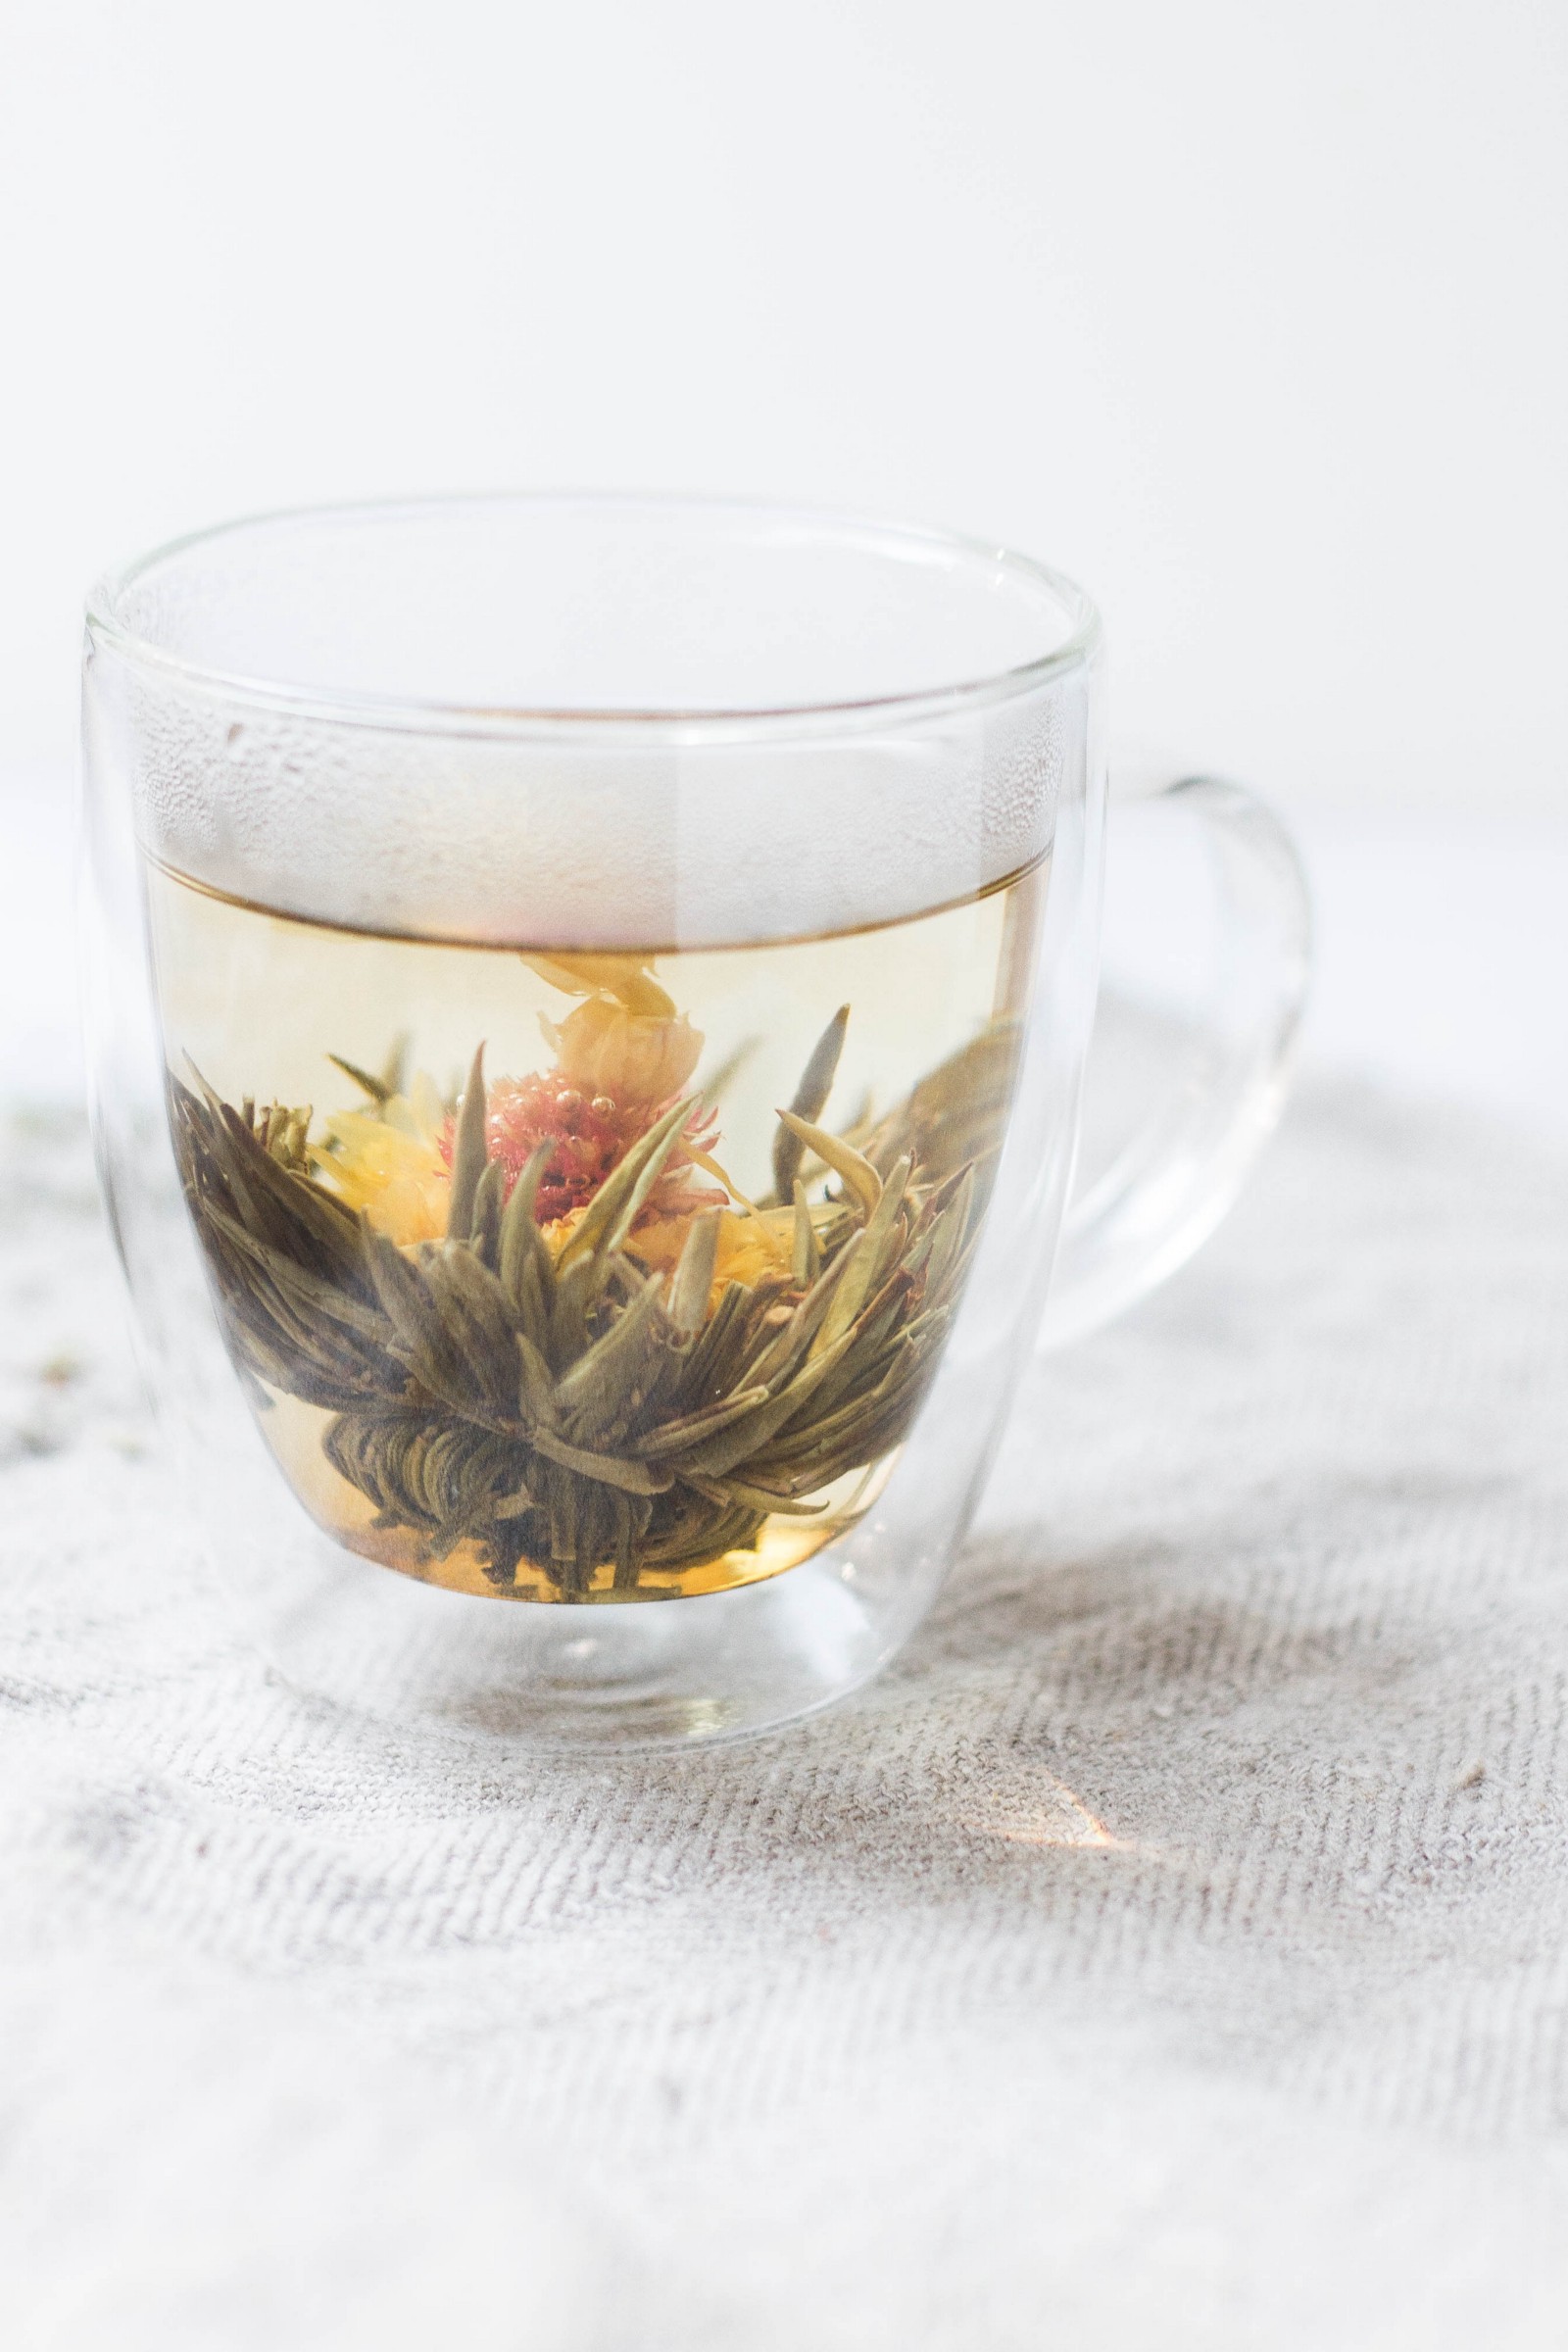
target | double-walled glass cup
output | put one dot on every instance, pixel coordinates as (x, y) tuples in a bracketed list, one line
[(587, 1002)]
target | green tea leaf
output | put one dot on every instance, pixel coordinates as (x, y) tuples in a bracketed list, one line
[(842, 1157), (693, 1279), (606, 1469), (610, 1213), (376, 1088), (469, 1151), (808, 1104)]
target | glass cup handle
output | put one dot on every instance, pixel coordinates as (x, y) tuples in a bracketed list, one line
[(1170, 1186)]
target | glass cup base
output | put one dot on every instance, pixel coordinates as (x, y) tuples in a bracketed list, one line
[(668, 1673)]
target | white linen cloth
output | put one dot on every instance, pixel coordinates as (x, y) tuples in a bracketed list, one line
[(1171, 1950)]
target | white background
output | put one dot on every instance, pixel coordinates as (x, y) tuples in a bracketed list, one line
[(1250, 315)]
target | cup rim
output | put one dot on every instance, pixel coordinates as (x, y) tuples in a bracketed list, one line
[(420, 715)]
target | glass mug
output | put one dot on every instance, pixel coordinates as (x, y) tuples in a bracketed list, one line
[(587, 1001)]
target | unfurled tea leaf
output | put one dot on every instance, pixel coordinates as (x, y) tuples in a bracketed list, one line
[(808, 1250), (608, 1216), (376, 1088), (468, 1154), (808, 1104), (842, 1157), (605, 1469), (694, 1276)]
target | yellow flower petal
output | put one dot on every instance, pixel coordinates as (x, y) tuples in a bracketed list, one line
[(625, 978), (391, 1170), (748, 1248), (631, 1057)]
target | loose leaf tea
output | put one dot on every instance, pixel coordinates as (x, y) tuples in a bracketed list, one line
[(530, 1335)]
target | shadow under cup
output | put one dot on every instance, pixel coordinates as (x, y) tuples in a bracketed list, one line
[(586, 1008)]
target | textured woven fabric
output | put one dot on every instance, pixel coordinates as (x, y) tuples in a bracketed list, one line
[(1172, 1949)]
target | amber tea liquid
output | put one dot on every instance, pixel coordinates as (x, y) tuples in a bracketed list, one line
[(583, 1319)]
